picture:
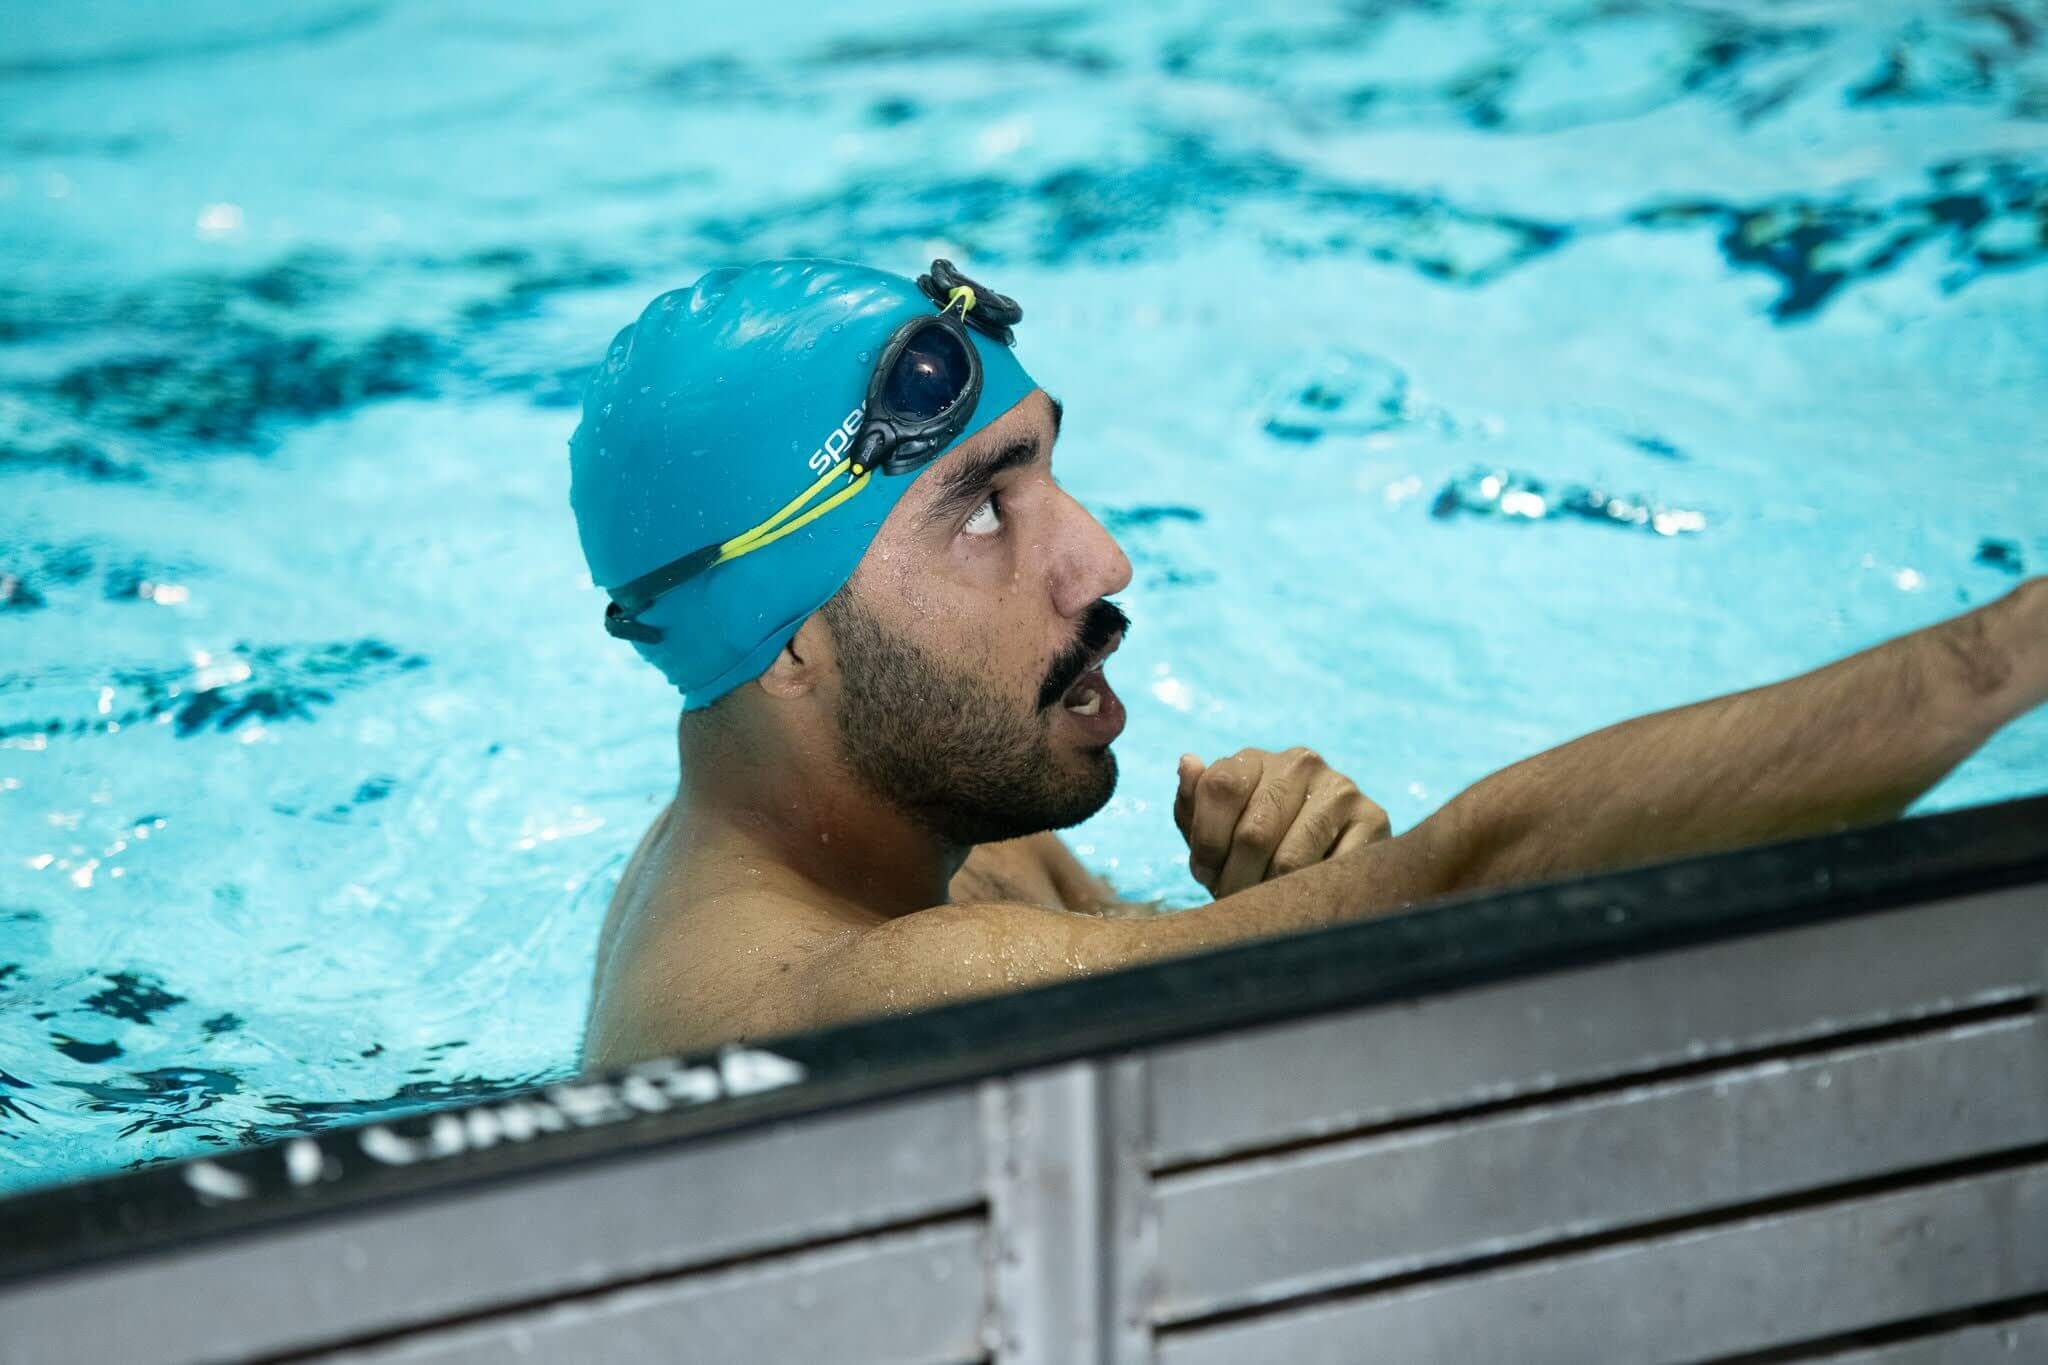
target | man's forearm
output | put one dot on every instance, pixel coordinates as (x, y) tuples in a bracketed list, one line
[(1848, 744)]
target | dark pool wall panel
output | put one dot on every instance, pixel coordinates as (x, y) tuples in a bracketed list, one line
[(911, 1297), (549, 1238), (1586, 1025), (1847, 1133), (1377, 1208), (2008, 1342), (1751, 1285), (1825, 1140)]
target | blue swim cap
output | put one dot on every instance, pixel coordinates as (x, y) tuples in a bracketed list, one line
[(704, 420)]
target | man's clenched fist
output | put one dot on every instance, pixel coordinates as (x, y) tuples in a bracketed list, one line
[(1258, 815)]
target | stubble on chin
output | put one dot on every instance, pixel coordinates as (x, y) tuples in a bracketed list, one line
[(956, 755)]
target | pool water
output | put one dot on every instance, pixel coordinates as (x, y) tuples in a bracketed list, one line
[(1458, 377)]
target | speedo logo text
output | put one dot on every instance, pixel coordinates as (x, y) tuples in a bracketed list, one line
[(827, 455)]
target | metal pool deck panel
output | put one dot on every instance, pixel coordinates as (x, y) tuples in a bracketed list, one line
[(1375, 1208), (1524, 1037), (1789, 1101), (561, 1231), (915, 1297), (1744, 1287)]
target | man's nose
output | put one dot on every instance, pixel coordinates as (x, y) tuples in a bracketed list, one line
[(1090, 565)]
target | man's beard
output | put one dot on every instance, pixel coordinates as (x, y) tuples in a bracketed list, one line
[(960, 758)]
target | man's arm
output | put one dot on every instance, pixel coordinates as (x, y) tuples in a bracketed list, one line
[(1853, 742), (1039, 869), (1076, 888), (953, 952)]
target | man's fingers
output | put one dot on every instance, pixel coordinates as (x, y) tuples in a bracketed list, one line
[(1189, 772), (1256, 815), (1267, 818), (1220, 796), (1372, 827), (1308, 843), (1335, 819)]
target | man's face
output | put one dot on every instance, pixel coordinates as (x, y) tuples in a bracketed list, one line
[(969, 643)]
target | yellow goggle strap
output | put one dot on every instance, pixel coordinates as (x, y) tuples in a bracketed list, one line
[(779, 525)]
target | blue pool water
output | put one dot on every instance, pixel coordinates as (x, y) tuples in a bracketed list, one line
[(1459, 377)]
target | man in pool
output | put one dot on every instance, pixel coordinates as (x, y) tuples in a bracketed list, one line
[(821, 500)]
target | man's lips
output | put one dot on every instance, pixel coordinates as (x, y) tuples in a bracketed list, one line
[(1091, 667), (1092, 704)]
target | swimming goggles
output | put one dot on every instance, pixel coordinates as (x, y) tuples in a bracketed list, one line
[(921, 395)]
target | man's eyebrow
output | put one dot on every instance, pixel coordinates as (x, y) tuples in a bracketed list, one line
[(967, 482)]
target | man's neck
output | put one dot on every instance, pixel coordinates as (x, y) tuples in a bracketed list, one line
[(802, 813)]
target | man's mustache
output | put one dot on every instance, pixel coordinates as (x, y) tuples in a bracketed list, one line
[(1105, 620)]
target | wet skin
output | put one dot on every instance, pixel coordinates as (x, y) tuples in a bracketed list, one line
[(774, 850), (784, 888)]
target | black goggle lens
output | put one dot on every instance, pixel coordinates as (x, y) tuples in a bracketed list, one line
[(927, 377)]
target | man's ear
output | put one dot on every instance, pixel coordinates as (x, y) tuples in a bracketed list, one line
[(802, 662)]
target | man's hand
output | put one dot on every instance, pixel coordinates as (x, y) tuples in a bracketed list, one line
[(1258, 815)]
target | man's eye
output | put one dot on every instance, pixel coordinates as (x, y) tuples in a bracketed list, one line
[(986, 521)]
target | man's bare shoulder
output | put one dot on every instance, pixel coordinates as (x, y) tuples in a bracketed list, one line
[(686, 972), (681, 968)]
